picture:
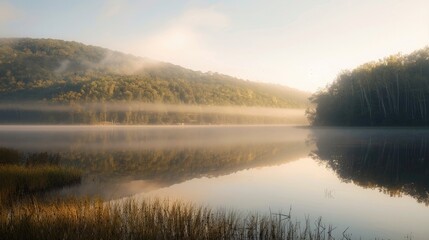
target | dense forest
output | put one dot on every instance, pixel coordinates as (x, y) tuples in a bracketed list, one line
[(71, 73), (390, 92)]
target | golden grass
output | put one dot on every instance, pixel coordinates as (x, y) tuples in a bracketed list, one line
[(25, 213), (147, 219), (18, 181)]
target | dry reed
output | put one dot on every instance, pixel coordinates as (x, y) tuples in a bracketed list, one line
[(147, 219)]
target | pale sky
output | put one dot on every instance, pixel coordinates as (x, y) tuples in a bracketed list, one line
[(302, 44)]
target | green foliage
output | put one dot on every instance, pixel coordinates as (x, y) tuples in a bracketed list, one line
[(391, 92), (66, 72)]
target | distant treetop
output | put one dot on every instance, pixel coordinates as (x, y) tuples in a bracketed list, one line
[(390, 92)]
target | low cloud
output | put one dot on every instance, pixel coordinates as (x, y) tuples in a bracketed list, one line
[(185, 37), (113, 8), (203, 17), (63, 66), (8, 12)]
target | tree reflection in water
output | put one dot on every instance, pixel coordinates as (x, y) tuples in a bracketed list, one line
[(395, 161), (124, 160)]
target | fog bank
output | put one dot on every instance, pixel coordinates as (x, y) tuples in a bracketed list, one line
[(293, 114)]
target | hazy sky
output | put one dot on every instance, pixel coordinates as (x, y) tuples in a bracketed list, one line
[(300, 43)]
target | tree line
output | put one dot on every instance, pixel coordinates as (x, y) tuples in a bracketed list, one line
[(390, 92)]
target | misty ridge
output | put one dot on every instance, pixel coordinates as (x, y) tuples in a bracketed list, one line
[(98, 59), (108, 61), (41, 79), (36, 63)]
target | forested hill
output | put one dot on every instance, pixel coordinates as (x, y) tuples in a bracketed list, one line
[(63, 72), (390, 92)]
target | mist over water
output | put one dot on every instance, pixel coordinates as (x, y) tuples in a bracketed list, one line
[(145, 113), (158, 107), (38, 137), (353, 177)]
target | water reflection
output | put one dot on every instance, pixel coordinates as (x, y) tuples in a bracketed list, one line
[(395, 161), (121, 161), (117, 174), (253, 168)]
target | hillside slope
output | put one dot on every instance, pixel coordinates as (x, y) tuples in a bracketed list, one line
[(63, 72)]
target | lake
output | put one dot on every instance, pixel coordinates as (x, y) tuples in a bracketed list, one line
[(374, 182)]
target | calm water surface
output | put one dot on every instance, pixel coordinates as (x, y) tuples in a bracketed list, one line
[(374, 181)]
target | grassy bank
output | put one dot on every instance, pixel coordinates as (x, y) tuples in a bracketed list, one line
[(26, 213), (24, 175), (20, 181), (147, 219)]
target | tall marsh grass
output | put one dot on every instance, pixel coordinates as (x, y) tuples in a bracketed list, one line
[(147, 219), (23, 175), (25, 213), (19, 181)]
